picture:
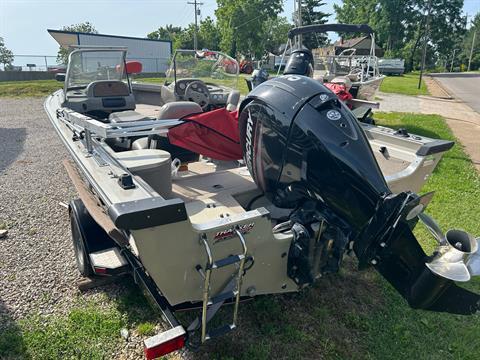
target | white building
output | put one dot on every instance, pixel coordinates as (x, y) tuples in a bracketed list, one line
[(153, 54)]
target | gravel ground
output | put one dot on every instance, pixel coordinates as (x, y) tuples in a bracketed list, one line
[(37, 267)]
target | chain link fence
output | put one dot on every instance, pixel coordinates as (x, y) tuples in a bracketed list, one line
[(44, 67), (49, 63)]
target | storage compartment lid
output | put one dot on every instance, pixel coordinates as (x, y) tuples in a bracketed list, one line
[(138, 160)]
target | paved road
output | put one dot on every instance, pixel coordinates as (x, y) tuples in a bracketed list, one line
[(464, 86)]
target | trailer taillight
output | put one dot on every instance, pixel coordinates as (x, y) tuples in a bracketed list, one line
[(165, 343), (100, 270)]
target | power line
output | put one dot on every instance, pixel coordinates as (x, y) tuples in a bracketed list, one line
[(249, 21)]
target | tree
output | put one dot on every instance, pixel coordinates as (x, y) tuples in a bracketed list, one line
[(400, 26), (6, 55), (168, 32), (242, 24), (312, 15), (356, 12), (85, 27), (276, 30), (209, 34), (446, 27), (466, 45), (184, 39), (389, 18)]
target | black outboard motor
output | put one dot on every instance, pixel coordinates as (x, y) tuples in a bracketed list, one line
[(300, 63), (306, 151), (259, 76)]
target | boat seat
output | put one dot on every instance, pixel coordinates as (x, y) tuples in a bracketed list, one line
[(178, 110), (233, 100), (173, 110), (152, 165), (126, 116)]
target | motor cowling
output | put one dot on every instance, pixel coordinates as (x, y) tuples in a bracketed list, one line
[(306, 151), (299, 141)]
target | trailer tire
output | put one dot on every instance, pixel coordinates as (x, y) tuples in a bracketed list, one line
[(78, 238)]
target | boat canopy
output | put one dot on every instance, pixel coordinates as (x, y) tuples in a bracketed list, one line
[(322, 28)]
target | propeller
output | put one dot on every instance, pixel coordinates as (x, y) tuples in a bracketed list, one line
[(457, 257), (433, 227)]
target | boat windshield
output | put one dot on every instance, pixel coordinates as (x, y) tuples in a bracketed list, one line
[(211, 67), (87, 66)]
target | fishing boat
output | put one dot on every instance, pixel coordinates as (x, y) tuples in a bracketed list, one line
[(208, 202), (359, 72)]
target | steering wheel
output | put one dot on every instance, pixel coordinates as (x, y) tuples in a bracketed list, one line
[(198, 92)]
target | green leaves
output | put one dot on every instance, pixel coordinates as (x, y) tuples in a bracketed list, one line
[(400, 26), (311, 14), (6, 55), (182, 38), (85, 27), (243, 24)]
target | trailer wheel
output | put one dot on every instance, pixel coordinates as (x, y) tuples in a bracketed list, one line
[(78, 238)]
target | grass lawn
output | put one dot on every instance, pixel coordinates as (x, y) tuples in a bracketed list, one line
[(41, 88), (350, 315), (406, 84), (90, 331), (37, 88), (242, 84)]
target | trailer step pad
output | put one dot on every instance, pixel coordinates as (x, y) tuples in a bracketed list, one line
[(232, 259), (215, 333), (222, 297), (108, 259)]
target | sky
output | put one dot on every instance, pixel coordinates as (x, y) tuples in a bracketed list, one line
[(24, 23)]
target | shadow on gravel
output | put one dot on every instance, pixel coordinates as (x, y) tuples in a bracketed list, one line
[(11, 340), (12, 142)]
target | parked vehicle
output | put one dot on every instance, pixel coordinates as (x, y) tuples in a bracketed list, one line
[(391, 66), (246, 66), (293, 182), (57, 69)]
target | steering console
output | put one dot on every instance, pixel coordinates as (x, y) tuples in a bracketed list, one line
[(198, 92)]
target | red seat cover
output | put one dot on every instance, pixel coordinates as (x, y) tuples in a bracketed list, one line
[(214, 134)]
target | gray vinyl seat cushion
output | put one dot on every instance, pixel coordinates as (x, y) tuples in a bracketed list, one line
[(126, 116), (173, 110), (233, 100), (178, 109)]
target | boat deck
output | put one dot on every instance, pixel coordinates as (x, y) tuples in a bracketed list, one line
[(148, 110), (391, 165), (209, 192)]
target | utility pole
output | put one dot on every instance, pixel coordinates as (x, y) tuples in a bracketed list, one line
[(471, 50), (424, 54), (197, 12), (453, 59), (299, 21)]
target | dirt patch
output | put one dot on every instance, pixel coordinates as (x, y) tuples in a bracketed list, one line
[(435, 89)]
